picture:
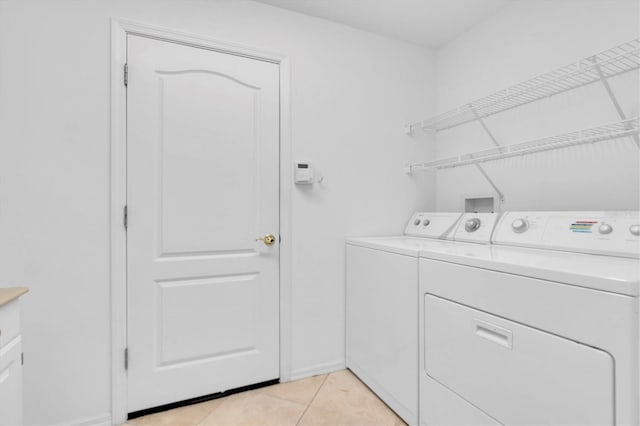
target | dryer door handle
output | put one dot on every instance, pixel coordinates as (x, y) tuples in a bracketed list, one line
[(493, 333)]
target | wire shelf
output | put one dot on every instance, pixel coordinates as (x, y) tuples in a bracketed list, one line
[(607, 64), (616, 130)]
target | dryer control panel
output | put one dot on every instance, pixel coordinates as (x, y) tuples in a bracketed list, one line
[(476, 227), (614, 233), (432, 225)]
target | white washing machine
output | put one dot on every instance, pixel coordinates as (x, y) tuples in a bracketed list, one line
[(539, 328), (382, 302)]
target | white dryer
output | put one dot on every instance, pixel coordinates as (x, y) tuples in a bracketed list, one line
[(382, 302), (539, 328)]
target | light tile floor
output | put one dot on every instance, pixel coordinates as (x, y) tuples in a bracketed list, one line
[(330, 399)]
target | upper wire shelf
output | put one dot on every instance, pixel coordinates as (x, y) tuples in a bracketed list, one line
[(606, 64), (616, 130)]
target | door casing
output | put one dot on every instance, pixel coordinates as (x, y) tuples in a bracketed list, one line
[(118, 191)]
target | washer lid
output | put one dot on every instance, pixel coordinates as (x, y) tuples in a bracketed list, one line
[(607, 273)]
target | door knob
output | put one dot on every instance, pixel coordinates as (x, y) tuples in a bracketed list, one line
[(268, 240)]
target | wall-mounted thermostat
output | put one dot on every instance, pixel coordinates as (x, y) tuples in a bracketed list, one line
[(304, 174)]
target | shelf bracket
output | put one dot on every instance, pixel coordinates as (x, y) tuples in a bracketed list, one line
[(614, 100), (486, 129), (495, 142), (495, 188)]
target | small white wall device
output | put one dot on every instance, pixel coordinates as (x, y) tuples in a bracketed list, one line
[(304, 174)]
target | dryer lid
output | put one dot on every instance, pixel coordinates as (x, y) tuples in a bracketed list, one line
[(409, 246)]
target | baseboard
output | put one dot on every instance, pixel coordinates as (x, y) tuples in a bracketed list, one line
[(200, 399), (103, 420), (314, 370), (324, 368)]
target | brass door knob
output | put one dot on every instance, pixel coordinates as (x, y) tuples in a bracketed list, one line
[(268, 240)]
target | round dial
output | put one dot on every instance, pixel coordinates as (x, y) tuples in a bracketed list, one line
[(472, 225), (426, 222), (605, 228), (416, 222), (519, 225), (635, 229)]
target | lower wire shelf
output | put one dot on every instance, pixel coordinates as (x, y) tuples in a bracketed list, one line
[(617, 130)]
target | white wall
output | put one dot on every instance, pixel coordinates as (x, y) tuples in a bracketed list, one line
[(527, 38), (352, 92)]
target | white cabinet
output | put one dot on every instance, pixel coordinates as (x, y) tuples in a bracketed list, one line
[(10, 364)]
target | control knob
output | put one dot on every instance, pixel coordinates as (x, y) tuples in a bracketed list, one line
[(519, 226), (472, 225), (605, 228), (416, 222), (426, 222), (635, 229)]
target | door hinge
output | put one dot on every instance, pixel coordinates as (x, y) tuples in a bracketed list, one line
[(126, 75), (126, 358), (126, 217)]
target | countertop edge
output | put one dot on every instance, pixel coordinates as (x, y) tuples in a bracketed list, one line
[(9, 294)]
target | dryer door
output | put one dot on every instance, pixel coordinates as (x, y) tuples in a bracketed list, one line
[(514, 373)]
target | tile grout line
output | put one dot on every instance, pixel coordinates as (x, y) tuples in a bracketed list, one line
[(312, 399)]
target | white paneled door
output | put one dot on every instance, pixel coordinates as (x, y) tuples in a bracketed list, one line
[(202, 185)]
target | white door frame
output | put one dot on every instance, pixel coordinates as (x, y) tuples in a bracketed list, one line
[(118, 190)]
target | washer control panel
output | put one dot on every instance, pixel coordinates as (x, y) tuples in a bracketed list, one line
[(476, 227), (431, 225), (615, 233)]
